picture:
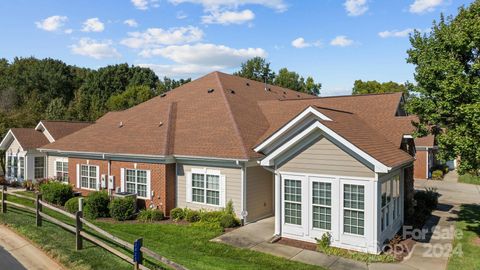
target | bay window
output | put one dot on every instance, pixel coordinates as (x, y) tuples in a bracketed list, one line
[(9, 166), (21, 167)]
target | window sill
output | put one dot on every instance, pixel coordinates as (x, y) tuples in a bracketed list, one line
[(206, 204)]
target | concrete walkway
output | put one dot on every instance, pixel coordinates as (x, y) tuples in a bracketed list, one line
[(24, 252)]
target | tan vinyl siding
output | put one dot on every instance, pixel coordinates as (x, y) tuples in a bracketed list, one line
[(324, 157), (259, 193), (233, 187)]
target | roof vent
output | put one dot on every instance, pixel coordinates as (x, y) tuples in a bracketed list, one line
[(120, 124), (160, 124), (163, 95), (210, 90), (232, 91), (284, 92), (269, 89), (248, 84), (298, 95)]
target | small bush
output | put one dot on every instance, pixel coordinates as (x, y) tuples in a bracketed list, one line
[(192, 215), (429, 197), (72, 205), (28, 184), (229, 208), (56, 192), (212, 216), (324, 242), (150, 215), (229, 221), (437, 175), (96, 205), (122, 208), (177, 214)]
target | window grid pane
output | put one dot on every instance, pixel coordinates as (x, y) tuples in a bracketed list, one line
[(321, 201), (353, 215), (293, 197)]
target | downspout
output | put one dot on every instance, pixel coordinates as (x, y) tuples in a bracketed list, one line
[(243, 190)]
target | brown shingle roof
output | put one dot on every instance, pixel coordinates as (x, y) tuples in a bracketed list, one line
[(29, 138), (228, 122), (60, 129)]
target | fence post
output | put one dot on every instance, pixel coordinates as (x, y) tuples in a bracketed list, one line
[(79, 227), (38, 210), (80, 204), (4, 199), (137, 253)]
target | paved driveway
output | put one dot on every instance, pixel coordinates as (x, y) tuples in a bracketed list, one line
[(7, 261)]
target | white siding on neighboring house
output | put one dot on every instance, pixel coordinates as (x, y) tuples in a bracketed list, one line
[(324, 157), (259, 193), (233, 186), (51, 165)]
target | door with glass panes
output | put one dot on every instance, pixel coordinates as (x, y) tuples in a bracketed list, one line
[(308, 206)]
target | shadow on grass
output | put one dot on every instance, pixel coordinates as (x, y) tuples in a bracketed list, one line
[(470, 214)]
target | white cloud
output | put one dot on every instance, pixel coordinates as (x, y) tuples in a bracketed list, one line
[(396, 33), (341, 41), (356, 7), (52, 23), (144, 4), (154, 37), (205, 54), (422, 6), (300, 43), (181, 71), (131, 23), (228, 17), (95, 49), (68, 31), (278, 5), (181, 15), (93, 25)]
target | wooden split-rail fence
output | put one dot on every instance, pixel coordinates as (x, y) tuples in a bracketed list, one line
[(139, 251)]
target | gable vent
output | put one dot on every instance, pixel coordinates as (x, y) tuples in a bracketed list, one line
[(210, 90)]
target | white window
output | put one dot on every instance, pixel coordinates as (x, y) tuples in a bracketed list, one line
[(353, 209), (321, 205), (206, 188), (39, 164), (15, 166), (396, 196), (21, 167), (9, 166), (61, 169), (137, 182), (88, 177), (293, 201)]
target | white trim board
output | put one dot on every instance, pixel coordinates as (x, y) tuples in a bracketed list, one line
[(310, 110), (269, 160), (41, 127)]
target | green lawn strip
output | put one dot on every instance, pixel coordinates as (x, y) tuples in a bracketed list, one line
[(468, 243), (469, 179), (60, 244), (188, 245), (359, 256)]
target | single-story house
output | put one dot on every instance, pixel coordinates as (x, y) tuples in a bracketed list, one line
[(25, 162), (342, 165)]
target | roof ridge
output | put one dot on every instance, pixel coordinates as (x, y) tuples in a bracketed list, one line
[(68, 121), (341, 96), (231, 115), (332, 109)]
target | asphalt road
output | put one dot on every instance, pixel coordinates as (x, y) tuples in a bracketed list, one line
[(7, 261)]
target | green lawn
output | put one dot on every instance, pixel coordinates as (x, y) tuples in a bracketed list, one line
[(469, 179), (188, 245), (469, 223)]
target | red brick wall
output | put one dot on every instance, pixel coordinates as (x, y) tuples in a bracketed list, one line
[(162, 179), (420, 165)]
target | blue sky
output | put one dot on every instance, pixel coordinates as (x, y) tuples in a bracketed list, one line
[(335, 41)]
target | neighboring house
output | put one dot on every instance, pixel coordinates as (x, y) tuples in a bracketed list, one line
[(424, 157), (22, 159), (342, 165)]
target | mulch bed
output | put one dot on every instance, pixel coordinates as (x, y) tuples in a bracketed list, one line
[(403, 249)]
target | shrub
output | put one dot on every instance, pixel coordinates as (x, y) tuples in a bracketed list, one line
[(28, 184), (177, 214), (72, 205), (212, 216), (437, 175), (96, 205), (56, 192), (229, 208), (229, 221), (122, 208), (150, 215), (3, 181), (192, 215), (324, 242), (429, 197)]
